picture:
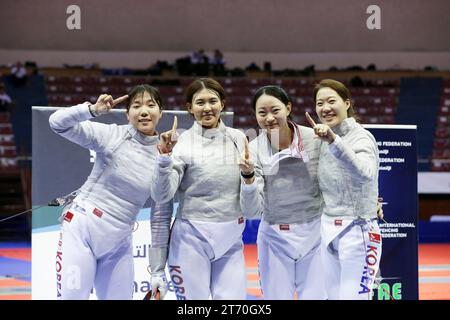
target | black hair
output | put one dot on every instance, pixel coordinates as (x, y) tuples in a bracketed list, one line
[(140, 89), (274, 91), (204, 83), (340, 89)]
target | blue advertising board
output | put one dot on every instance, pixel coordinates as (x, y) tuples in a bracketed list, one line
[(399, 271)]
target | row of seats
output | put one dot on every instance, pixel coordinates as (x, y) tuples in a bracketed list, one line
[(441, 145), (8, 163), (374, 104), (4, 117), (6, 139), (303, 91), (185, 81), (6, 128), (8, 152), (438, 165)]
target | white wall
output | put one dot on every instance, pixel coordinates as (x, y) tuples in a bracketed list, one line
[(290, 33)]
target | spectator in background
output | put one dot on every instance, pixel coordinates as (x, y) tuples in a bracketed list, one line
[(157, 68), (356, 82), (32, 67), (253, 67), (200, 63), (19, 74), (218, 63), (5, 99), (183, 66), (199, 57)]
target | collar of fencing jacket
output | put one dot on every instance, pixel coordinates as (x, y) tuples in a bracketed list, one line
[(209, 133), (344, 127), (293, 151), (142, 138)]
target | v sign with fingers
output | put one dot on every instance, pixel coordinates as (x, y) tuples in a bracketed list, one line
[(322, 131), (169, 139), (105, 102), (246, 164)]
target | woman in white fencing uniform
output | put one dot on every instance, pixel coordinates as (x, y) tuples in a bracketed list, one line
[(206, 249), (280, 182), (95, 243), (348, 179)]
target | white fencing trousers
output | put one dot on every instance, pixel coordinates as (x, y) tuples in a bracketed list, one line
[(206, 259), (94, 251), (351, 253), (289, 261)]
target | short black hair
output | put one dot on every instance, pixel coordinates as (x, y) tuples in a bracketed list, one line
[(274, 91), (140, 89)]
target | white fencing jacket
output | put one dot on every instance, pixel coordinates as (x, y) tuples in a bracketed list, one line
[(285, 191)]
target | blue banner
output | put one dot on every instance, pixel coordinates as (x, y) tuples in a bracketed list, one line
[(399, 270)]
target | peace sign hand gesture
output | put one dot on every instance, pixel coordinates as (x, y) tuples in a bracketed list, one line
[(105, 102), (322, 131)]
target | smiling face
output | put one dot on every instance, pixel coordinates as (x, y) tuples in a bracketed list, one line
[(271, 113), (206, 107), (330, 107), (144, 113)]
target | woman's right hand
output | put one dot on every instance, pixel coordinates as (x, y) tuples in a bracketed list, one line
[(168, 139), (380, 213), (105, 102), (322, 131)]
